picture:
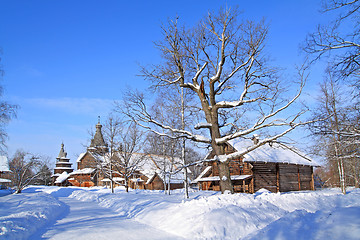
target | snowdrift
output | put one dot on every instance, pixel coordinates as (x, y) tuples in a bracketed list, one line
[(264, 215), (23, 214), (325, 214)]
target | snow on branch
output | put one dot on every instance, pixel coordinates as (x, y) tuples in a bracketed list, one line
[(179, 133), (261, 123), (202, 125)]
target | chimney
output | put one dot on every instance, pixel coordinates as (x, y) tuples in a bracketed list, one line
[(255, 139)]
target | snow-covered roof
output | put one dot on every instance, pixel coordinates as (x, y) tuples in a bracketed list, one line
[(62, 177), (136, 180), (158, 164), (80, 157), (206, 170), (83, 171), (4, 164), (64, 168), (217, 178), (150, 179), (116, 179), (4, 180), (272, 153), (149, 164)]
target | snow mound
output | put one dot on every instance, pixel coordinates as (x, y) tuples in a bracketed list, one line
[(341, 223), (325, 214), (215, 217), (210, 215), (22, 214)]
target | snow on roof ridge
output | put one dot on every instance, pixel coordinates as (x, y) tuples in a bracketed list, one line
[(81, 155), (272, 153), (62, 177), (232, 177), (83, 171), (202, 174)]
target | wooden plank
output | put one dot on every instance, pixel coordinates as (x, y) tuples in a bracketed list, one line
[(312, 184), (298, 174)]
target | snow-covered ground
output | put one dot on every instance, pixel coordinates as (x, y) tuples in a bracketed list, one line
[(95, 213)]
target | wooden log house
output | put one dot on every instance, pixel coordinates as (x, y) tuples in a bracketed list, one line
[(272, 166)]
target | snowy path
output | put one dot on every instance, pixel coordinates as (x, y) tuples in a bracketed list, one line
[(87, 220)]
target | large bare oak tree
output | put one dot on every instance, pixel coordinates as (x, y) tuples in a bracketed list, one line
[(223, 62)]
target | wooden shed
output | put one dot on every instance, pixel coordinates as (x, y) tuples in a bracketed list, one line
[(272, 166)]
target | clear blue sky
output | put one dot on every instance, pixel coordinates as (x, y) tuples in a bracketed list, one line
[(65, 61)]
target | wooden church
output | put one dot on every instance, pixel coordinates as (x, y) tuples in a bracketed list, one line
[(88, 174), (62, 168)]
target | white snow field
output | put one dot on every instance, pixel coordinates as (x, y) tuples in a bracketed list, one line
[(95, 213)]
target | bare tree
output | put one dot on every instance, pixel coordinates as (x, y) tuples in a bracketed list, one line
[(167, 149), (335, 106), (112, 131), (123, 159), (222, 61), (339, 42), (340, 38), (7, 112), (44, 178), (25, 168)]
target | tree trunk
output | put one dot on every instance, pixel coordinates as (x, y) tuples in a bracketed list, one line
[(126, 185), (186, 185), (169, 185), (111, 178), (225, 180), (224, 169)]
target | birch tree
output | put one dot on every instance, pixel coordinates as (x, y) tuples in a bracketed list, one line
[(335, 106), (222, 61), (25, 169), (338, 42)]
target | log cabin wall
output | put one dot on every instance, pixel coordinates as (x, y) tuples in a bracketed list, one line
[(264, 175), (156, 184), (236, 167), (215, 169), (295, 177), (306, 177), (289, 178), (87, 161), (282, 177)]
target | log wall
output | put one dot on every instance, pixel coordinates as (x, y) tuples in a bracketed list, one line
[(282, 177), (264, 175), (87, 161)]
